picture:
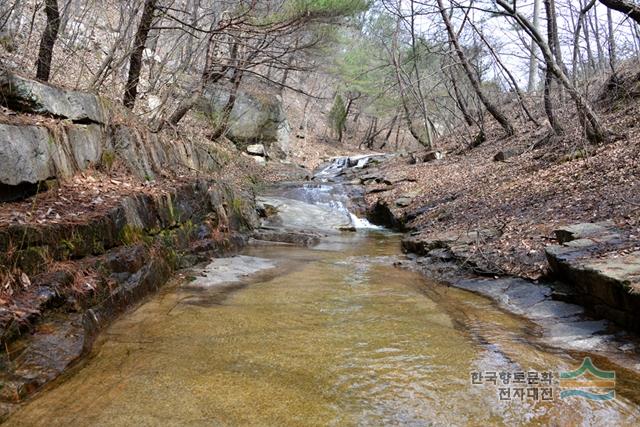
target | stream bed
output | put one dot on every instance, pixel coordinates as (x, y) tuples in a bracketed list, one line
[(332, 335)]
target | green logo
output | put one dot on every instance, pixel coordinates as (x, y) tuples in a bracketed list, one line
[(588, 382)]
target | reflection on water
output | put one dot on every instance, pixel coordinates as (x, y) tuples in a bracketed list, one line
[(337, 336)]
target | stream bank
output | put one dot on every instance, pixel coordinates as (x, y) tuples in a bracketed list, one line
[(586, 303), (333, 334)]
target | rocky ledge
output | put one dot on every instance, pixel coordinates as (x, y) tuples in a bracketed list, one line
[(603, 267), (79, 276)]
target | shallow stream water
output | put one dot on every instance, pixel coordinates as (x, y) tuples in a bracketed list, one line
[(334, 335)]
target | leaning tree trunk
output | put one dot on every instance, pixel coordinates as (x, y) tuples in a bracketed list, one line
[(135, 63), (596, 132), (629, 8), (48, 40), (475, 83)]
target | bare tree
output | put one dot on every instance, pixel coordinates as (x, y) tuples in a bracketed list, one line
[(596, 132), (533, 58), (45, 54), (472, 76), (632, 10), (135, 62)]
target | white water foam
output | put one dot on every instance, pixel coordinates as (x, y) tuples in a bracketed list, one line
[(362, 223)]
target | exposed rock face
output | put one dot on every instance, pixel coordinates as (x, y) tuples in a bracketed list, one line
[(253, 118), (31, 154), (606, 281), (132, 249), (25, 155), (27, 95), (86, 143), (456, 246)]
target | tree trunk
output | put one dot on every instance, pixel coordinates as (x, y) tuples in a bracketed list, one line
[(626, 7), (45, 54), (533, 59), (597, 132), (460, 102), (596, 32), (493, 110), (548, 75), (576, 38), (395, 58), (135, 63), (611, 42)]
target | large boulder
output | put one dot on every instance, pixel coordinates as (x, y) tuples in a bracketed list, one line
[(31, 96), (255, 118), (25, 155)]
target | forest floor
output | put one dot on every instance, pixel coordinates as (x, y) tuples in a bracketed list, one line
[(525, 197)]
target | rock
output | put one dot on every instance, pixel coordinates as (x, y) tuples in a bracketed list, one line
[(581, 231), (21, 94), (256, 150), (25, 155), (424, 157), (301, 216), (253, 117), (382, 214), (606, 281), (432, 155), (287, 237), (441, 254), (503, 155), (86, 143), (403, 202), (259, 160), (228, 271)]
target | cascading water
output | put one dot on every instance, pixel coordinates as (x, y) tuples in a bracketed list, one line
[(322, 204), (329, 335)]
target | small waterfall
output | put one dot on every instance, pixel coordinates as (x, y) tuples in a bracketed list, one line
[(338, 164), (363, 223), (328, 203)]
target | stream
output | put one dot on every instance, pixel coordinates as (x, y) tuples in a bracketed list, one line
[(332, 335)]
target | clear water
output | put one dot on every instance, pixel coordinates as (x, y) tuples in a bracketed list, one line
[(334, 336)]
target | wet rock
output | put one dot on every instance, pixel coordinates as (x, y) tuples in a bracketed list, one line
[(287, 237), (225, 271), (382, 214), (21, 94), (297, 215), (554, 309)]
